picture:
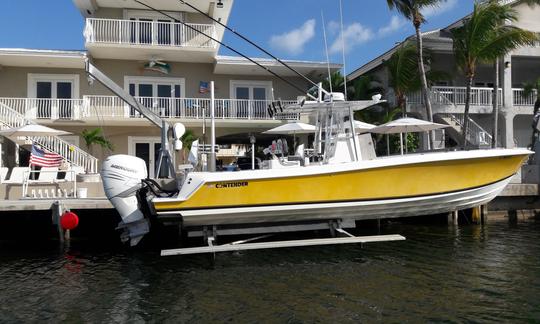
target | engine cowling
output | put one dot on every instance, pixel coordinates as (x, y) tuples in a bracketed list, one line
[(122, 175)]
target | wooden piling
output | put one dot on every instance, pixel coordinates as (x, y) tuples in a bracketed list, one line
[(512, 216), (57, 211), (453, 217), (484, 214), (476, 215)]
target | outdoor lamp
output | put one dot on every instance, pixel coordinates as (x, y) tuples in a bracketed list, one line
[(219, 4), (252, 139)]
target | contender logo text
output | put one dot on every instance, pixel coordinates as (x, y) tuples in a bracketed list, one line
[(231, 184)]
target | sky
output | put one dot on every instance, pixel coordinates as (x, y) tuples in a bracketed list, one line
[(290, 29)]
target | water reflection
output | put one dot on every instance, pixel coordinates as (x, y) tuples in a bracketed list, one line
[(465, 273)]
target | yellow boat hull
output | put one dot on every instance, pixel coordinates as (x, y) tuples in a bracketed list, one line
[(264, 195)]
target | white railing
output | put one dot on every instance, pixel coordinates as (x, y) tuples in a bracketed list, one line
[(114, 107), (71, 153), (476, 135), (521, 100), (184, 108), (37, 108), (133, 32), (456, 95)]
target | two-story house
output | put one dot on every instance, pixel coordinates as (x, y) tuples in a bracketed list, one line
[(448, 96), (166, 64)]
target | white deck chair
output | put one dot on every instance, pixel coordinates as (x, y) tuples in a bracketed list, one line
[(3, 173), (17, 175), (48, 174), (71, 173)]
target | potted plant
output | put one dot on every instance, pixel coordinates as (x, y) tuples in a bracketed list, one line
[(92, 138)]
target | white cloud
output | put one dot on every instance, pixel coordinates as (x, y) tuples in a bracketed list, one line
[(333, 27), (439, 9), (293, 41), (395, 24), (353, 35)]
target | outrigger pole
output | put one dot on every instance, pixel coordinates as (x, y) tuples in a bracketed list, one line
[(229, 48)]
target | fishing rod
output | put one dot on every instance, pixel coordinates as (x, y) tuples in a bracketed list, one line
[(250, 42), (226, 46)]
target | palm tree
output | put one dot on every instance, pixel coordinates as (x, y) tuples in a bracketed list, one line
[(337, 82), (95, 137), (412, 10), (533, 89), (187, 140), (483, 38), (364, 88), (404, 77)]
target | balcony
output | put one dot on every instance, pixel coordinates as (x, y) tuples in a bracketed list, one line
[(116, 39), (520, 100), (452, 99), (95, 108)]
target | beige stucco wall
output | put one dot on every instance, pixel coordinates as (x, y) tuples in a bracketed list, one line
[(109, 13), (529, 17), (14, 80), (193, 74)]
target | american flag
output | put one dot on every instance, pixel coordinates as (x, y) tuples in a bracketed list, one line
[(42, 158), (204, 87)]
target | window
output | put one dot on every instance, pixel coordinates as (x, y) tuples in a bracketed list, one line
[(162, 95), (148, 27), (251, 98), (53, 94)]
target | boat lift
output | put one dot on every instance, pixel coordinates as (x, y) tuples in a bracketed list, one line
[(165, 157), (336, 227)]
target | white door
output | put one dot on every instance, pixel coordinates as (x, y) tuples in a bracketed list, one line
[(160, 95), (148, 150), (251, 98)]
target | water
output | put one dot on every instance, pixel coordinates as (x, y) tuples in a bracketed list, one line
[(470, 273)]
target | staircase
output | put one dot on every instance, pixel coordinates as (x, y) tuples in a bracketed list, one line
[(71, 153), (476, 135)]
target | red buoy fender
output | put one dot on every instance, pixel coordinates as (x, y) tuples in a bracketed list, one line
[(69, 220)]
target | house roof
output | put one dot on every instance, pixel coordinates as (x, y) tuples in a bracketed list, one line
[(438, 40), (432, 37), (42, 58), (240, 65)]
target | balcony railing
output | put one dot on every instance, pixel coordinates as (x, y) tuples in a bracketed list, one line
[(456, 95), (95, 107), (521, 100), (134, 32), (37, 108), (184, 108)]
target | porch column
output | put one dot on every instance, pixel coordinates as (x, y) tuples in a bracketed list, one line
[(508, 137), (508, 103)]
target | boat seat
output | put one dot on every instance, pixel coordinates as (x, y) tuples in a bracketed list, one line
[(300, 159), (71, 173), (47, 174), (17, 175)]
